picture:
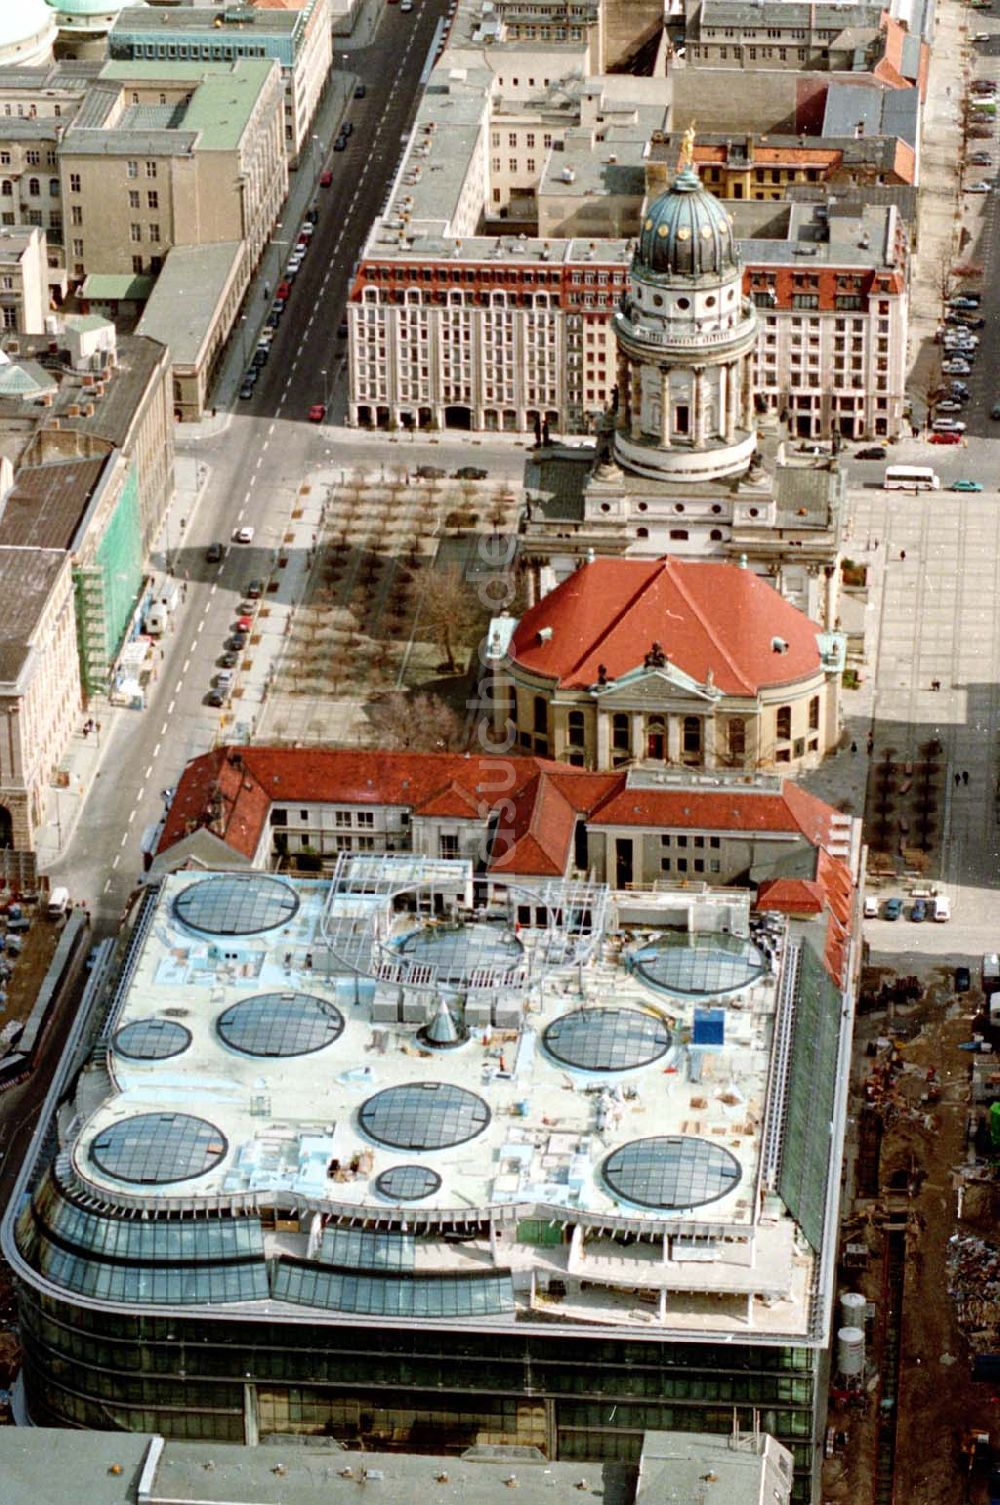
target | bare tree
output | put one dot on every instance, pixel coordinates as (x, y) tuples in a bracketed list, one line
[(421, 723), (448, 611)]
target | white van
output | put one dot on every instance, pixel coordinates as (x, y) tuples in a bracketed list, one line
[(941, 908), (58, 903), (871, 907)]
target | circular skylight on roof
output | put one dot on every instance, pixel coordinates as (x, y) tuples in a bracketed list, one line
[(699, 966), (151, 1039), (424, 1116), (456, 952), (671, 1172), (407, 1183), (607, 1039), (154, 1149), (230, 904), (280, 1024)]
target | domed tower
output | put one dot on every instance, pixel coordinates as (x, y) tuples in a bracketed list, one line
[(686, 338)]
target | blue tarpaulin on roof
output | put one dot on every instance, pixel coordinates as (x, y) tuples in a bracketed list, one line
[(709, 1027)]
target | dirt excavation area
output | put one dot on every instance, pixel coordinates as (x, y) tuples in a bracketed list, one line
[(918, 1154)]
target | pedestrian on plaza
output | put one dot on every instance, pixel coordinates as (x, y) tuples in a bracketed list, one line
[(870, 744), (902, 553), (854, 747), (965, 776), (875, 544)]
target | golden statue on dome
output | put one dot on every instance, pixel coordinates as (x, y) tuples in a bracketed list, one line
[(686, 157)]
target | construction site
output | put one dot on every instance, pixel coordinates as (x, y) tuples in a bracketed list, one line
[(912, 1402)]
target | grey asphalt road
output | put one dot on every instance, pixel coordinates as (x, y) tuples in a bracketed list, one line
[(255, 468)]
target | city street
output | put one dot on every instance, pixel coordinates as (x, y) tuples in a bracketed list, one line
[(255, 466)]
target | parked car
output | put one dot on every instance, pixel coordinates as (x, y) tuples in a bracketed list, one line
[(282, 292), (340, 144), (970, 321), (944, 439), (431, 473), (246, 391), (966, 486), (995, 410), (980, 133), (871, 452), (243, 535), (948, 426), (963, 979), (871, 907), (224, 679), (969, 300), (359, 91), (244, 624), (213, 553), (215, 697), (228, 660), (949, 405), (260, 356), (893, 908), (957, 368), (941, 909), (470, 473), (325, 178), (238, 642), (317, 412), (254, 590), (918, 913)]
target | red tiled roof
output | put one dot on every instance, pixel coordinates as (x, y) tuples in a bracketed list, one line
[(231, 789), (706, 616), (791, 895), (731, 809)]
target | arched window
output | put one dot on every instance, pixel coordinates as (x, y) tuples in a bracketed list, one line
[(7, 188), (737, 737), (656, 738), (541, 714), (53, 188), (575, 729), (784, 723), (34, 188), (692, 736), (716, 535)]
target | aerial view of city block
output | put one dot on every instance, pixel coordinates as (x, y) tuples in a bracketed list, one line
[(499, 752)]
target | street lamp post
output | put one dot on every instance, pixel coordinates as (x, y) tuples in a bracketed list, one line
[(326, 388)]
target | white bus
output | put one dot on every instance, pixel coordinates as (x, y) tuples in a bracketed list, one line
[(911, 478)]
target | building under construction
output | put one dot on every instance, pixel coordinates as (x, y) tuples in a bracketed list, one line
[(358, 1158)]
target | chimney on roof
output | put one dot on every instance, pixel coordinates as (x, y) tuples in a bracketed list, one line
[(779, 645), (545, 634), (743, 561)]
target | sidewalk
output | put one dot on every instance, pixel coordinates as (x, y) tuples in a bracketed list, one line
[(941, 237), (83, 759)]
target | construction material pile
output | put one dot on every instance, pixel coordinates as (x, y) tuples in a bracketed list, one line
[(974, 1285)]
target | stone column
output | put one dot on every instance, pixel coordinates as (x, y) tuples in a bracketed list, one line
[(638, 737), (665, 409), (747, 393), (673, 739), (708, 741), (732, 401), (603, 738), (700, 408)]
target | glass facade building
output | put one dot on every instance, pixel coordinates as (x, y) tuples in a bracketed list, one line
[(572, 1229)]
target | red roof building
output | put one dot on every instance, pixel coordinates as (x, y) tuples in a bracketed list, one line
[(520, 819), (670, 662)]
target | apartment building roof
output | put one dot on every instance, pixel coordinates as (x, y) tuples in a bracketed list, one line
[(717, 624), (183, 305), (215, 118), (27, 575), (48, 1466), (43, 508)]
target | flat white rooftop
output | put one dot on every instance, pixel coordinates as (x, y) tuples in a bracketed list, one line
[(625, 1092)]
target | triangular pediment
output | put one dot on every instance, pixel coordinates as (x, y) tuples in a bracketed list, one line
[(654, 687)]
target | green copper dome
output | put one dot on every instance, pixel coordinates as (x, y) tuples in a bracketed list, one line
[(686, 232)]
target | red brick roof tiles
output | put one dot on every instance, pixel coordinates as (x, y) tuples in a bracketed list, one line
[(707, 617)]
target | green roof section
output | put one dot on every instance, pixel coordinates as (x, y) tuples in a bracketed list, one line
[(103, 287), (223, 102)]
